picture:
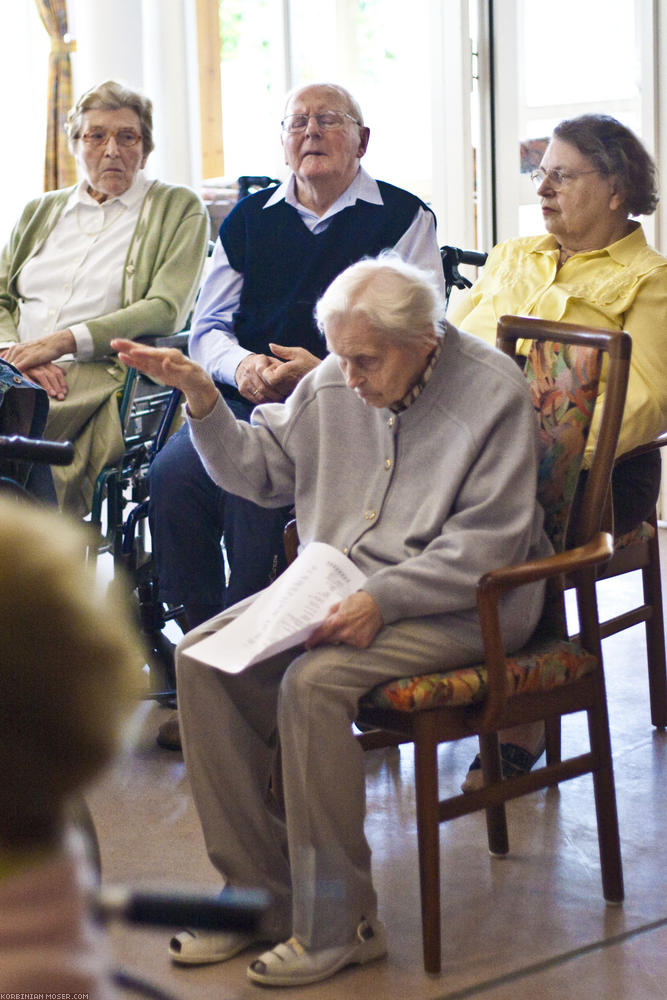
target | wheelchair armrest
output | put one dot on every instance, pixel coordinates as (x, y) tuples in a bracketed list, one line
[(238, 909), (642, 449), (179, 340), (17, 447)]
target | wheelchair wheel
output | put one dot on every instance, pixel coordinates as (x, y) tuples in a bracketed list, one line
[(162, 670), (81, 819)]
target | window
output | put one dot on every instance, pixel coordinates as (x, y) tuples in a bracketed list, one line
[(368, 46), (592, 69), (253, 81), (546, 70)]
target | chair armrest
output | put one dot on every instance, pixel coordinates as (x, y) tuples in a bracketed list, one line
[(498, 581), (179, 340), (593, 553), (643, 449)]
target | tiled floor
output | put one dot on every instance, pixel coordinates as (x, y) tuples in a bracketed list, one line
[(529, 926)]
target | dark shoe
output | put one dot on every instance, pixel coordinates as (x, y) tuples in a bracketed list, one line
[(169, 734), (515, 760)]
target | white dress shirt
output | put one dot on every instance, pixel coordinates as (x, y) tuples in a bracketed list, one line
[(213, 343), (77, 273)]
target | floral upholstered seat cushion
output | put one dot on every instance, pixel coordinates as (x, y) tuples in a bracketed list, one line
[(542, 668)]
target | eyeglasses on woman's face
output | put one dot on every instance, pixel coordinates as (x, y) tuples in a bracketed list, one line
[(556, 178), (124, 137)]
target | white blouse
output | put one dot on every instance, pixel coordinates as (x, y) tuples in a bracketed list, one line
[(77, 273)]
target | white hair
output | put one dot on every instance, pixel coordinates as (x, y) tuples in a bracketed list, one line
[(397, 299), (349, 102)]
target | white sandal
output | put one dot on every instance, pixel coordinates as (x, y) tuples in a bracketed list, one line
[(199, 947), (290, 964)]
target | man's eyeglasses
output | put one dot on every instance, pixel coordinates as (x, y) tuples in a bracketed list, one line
[(557, 178), (100, 136), (326, 121)]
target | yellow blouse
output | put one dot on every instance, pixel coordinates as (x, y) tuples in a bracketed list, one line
[(621, 287)]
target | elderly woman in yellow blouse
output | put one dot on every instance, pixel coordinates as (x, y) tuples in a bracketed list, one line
[(117, 255), (593, 267)]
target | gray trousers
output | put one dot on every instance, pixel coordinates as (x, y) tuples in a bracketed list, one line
[(313, 855)]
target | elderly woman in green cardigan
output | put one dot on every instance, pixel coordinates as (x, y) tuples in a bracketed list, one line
[(117, 255)]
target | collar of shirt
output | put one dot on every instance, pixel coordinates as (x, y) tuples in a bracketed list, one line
[(419, 386), (362, 188), (130, 198), (624, 250)]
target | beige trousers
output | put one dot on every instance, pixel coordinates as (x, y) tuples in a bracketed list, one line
[(313, 856)]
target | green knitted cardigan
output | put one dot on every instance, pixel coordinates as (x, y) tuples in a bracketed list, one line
[(161, 273)]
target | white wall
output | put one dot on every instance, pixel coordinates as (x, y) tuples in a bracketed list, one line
[(24, 54)]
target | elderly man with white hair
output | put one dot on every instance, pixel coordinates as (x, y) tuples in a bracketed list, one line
[(387, 455), (253, 331)]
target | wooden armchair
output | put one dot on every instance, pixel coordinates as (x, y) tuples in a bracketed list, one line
[(640, 549), (553, 675)]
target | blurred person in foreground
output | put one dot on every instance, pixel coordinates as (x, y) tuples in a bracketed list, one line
[(69, 669)]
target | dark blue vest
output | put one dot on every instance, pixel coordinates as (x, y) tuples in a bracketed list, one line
[(286, 268)]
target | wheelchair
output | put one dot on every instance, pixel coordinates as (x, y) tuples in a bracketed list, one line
[(148, 413)]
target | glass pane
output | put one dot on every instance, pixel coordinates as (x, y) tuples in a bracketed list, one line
[(578, 53), (393, 83), (253, 89), (582, 60), (380, 55)]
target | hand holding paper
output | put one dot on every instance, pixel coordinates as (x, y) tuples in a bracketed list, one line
[(355, 621), (288, 613)]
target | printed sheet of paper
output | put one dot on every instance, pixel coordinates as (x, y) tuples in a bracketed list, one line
[(286, 613)]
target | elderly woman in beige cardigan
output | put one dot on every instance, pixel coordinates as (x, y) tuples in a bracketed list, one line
[(117, 255)]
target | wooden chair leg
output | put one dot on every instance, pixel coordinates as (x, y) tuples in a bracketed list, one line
[(655, 632), (428, 838), (496, 820), (605, 800), (552, 731)]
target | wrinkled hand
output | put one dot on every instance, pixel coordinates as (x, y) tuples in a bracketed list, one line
[(355, 621), (171, 366), (34, 353), (285, 375), (252, 382), (51, 377)]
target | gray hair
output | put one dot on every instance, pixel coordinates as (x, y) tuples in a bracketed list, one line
[(397, 299), (349, 102), (616, 152), (112, 96)]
